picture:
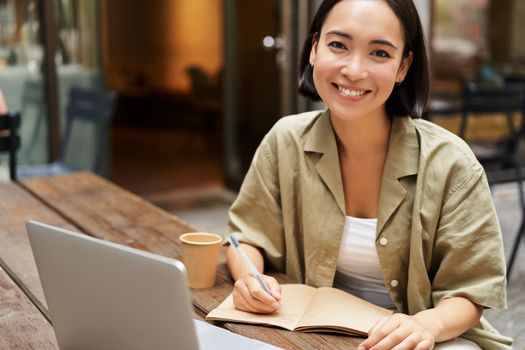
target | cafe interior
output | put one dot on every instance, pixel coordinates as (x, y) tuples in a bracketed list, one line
[(180, 94)]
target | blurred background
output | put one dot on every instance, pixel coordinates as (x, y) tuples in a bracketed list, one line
[(198, 83), (188, 88)]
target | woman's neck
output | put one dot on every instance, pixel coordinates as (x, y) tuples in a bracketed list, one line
[(364, 136)]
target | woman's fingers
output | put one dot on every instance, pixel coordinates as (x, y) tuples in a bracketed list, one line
[(275, 287), (398, 332), (253, 305), (259, 294), (425, 344), (248, 295), (378, 324), (241, 303), (380, 331), (415, 342), (401, 338)]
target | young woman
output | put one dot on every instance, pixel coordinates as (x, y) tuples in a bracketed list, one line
[(367, 198)]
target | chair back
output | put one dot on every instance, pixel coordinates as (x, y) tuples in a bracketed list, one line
[(9, 139), (92, 106), (507, 99)]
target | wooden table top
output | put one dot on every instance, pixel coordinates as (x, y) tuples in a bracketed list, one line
[(84, 202)]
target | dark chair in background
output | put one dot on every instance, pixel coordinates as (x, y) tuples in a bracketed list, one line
[(501, 154), (501, 157), (443, 104), (9, 139), (84, 105)]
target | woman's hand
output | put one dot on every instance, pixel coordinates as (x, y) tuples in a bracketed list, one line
[(449, 319), (399, 332), (248, 295)]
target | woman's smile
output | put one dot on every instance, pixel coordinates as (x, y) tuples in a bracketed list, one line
[(351, 92)]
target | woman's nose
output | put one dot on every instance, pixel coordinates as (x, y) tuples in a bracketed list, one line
[(354, 68)]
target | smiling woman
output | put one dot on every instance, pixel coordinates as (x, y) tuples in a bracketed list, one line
[(367, 197)]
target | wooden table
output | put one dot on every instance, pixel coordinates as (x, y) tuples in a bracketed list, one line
[(86, 203)]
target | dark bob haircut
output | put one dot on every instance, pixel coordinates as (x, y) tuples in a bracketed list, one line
[(407, 98)]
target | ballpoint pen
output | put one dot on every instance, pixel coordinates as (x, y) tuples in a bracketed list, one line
[(235, 243)]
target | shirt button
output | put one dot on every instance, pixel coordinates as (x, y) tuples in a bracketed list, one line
[(383, 241), (394, 283)]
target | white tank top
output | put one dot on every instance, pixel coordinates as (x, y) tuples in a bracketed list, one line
[(358, 269)]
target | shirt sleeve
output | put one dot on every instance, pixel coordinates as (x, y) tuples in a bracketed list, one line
[(256, 216), (468, 257)]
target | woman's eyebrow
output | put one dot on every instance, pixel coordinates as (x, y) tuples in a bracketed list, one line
[(383, 42), (340, 33), (372, 42)]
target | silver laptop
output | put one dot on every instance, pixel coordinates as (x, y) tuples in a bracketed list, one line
[(103, 295)]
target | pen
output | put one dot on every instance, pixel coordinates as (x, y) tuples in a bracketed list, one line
[(235, 243)]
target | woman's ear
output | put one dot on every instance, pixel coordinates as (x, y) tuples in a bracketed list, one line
[(313, 52), (403, 68)]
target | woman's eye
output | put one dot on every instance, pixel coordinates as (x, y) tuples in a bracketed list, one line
[(380, 53), (337, 45)]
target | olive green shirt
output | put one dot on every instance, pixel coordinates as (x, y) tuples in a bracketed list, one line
[(437, 235)]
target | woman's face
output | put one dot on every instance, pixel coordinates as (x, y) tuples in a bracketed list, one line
[(357, 58)]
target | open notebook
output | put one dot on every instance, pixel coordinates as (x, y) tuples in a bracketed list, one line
[(309, 309)]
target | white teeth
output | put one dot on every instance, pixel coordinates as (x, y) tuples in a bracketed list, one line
[(349, 92)]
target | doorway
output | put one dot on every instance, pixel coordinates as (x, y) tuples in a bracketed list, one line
[(262, 45), (200, 83), (165, 62)]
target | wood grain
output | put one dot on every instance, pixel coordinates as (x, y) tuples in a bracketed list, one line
[(22, 325), (104, 210), (101, 209), (16, 207)]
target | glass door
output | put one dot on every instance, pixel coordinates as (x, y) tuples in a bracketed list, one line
[(78, 61), (45, 48), (21, 78)]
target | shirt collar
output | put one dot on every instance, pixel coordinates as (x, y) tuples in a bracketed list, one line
[(403, 146), (403, 149), (320, 137), (320, 145), (402, 160)]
